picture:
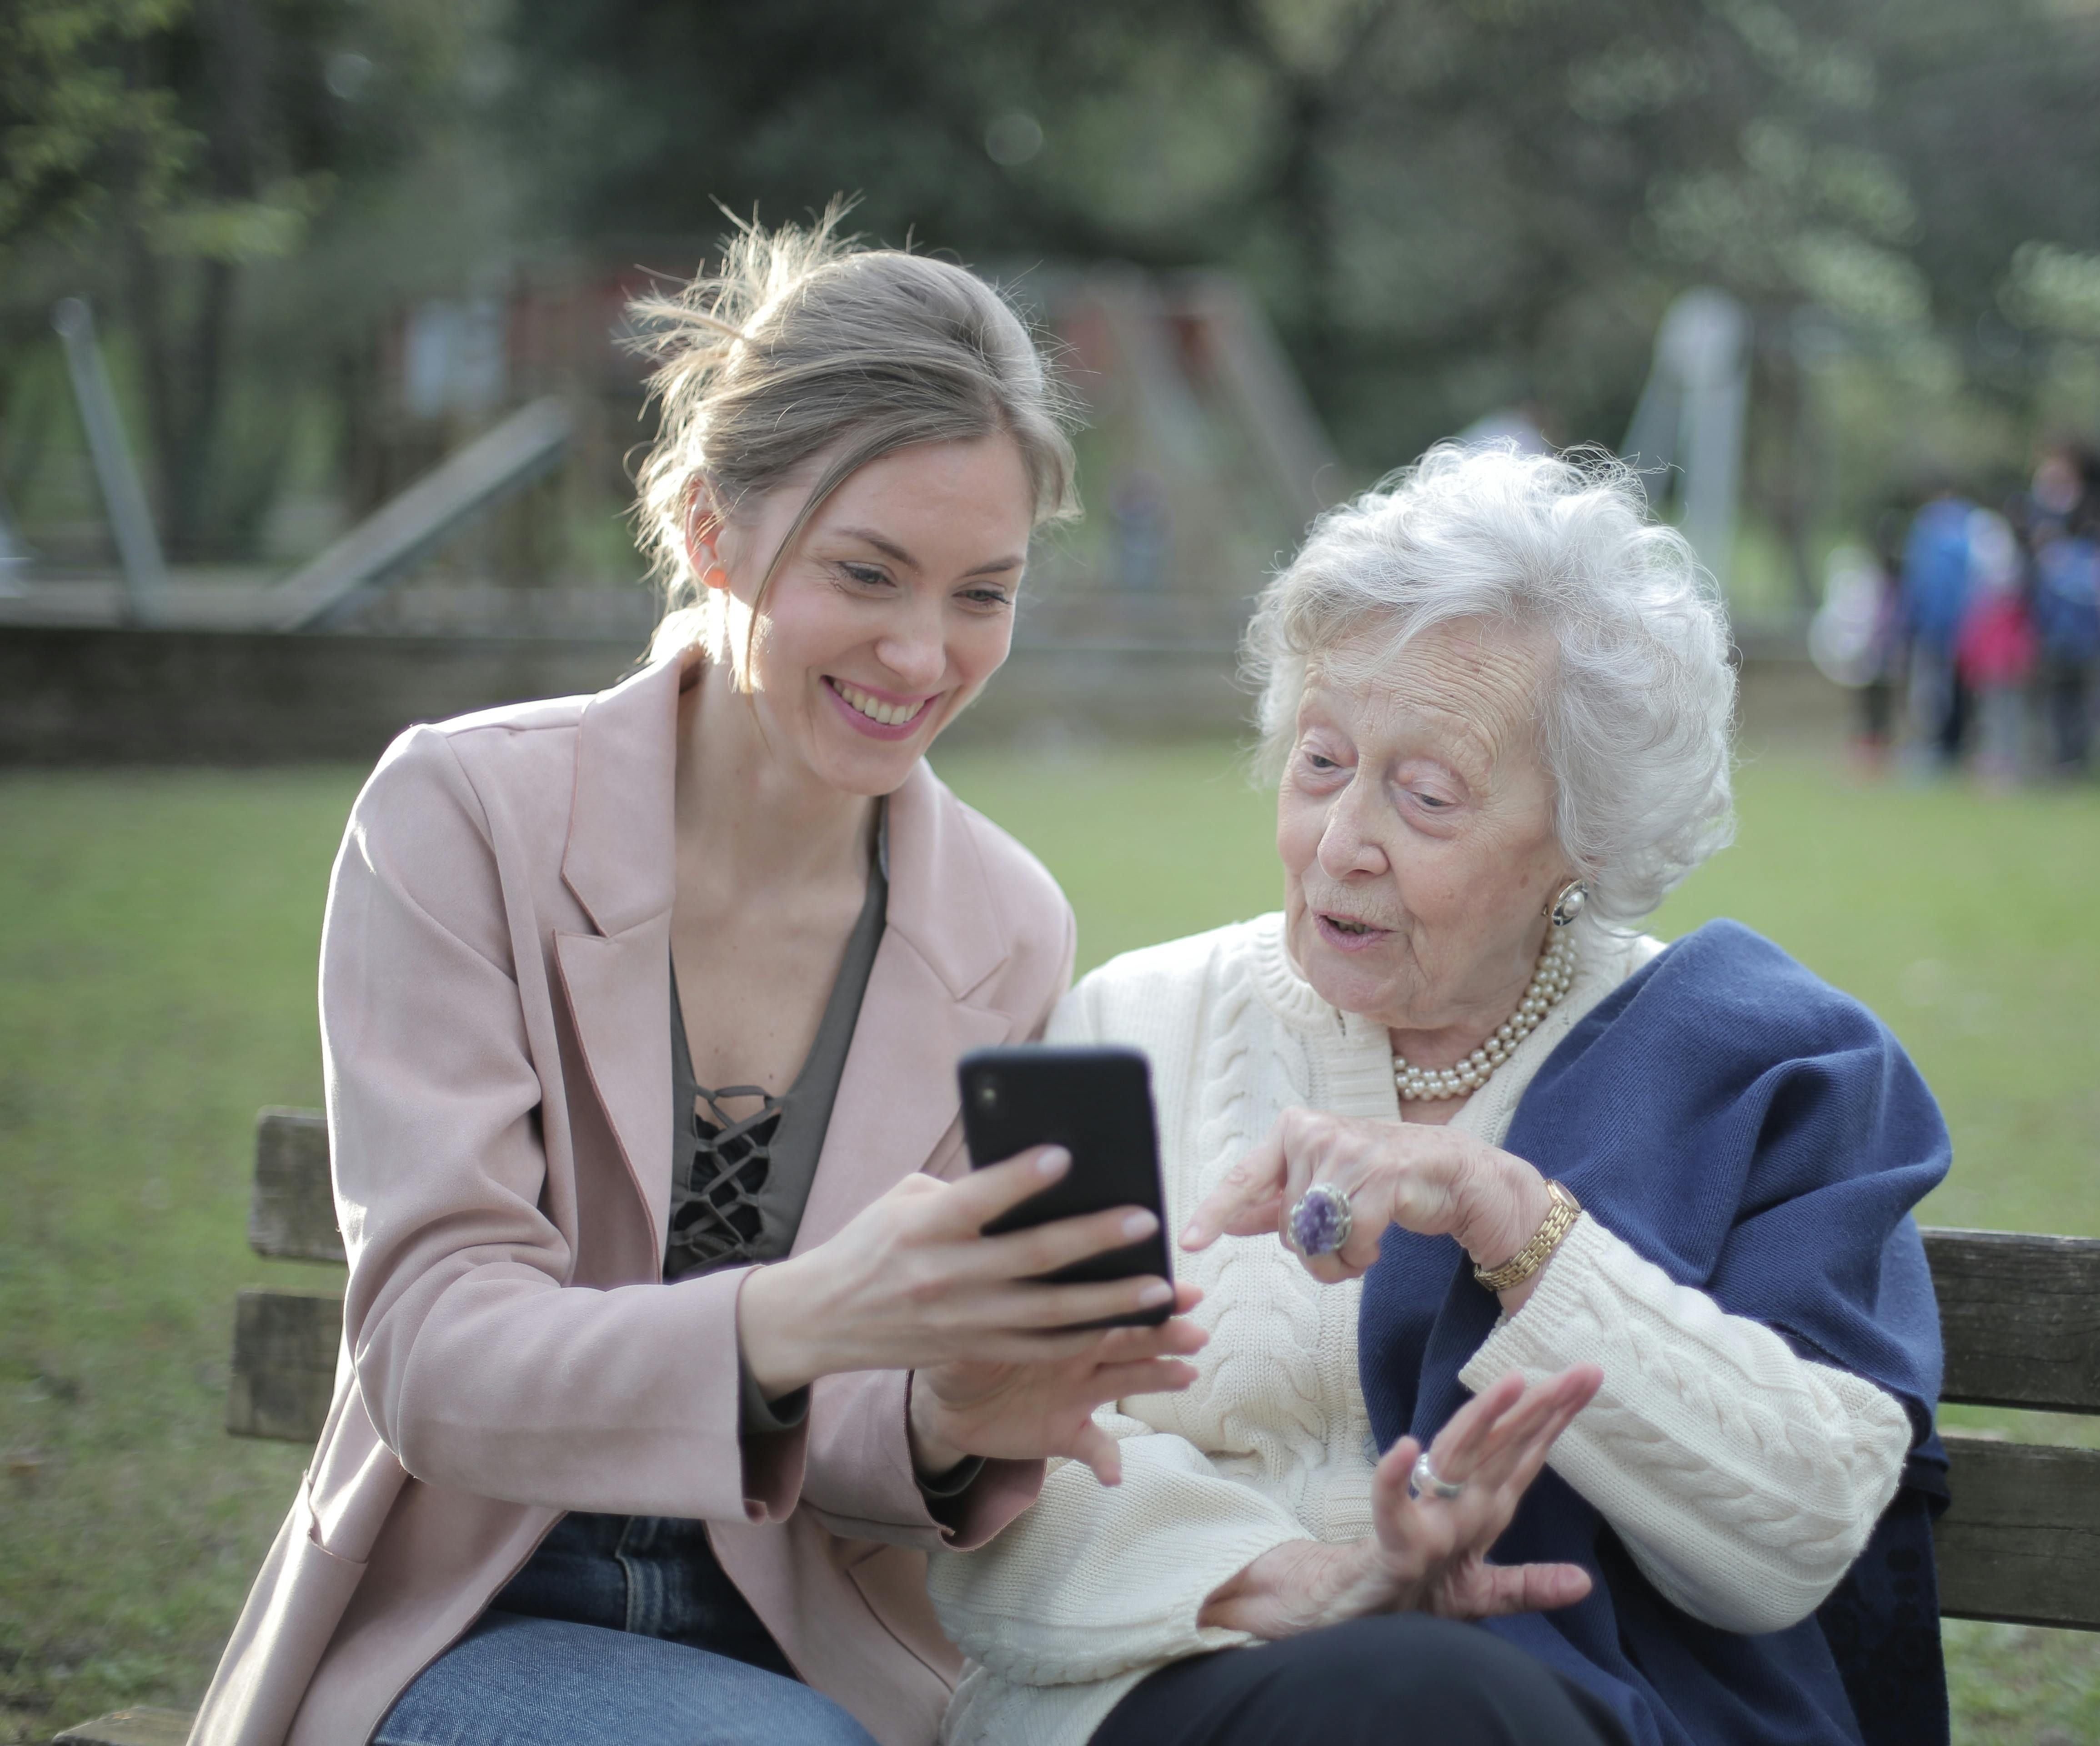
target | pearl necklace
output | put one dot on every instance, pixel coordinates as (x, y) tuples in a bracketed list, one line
[(1548, 982)]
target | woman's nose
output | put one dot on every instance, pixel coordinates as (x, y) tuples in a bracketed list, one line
[(1346, 847), (915, 650)]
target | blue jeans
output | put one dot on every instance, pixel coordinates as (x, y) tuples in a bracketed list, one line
[(621, 1630)]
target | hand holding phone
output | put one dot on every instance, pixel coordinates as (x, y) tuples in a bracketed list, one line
[(1096, 1102)]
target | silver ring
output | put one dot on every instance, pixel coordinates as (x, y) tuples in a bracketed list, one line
[(1425, 1479), (1321, 1221)]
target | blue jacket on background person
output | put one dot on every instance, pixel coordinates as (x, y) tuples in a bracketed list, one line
[(2066, 601), (1936, 572)]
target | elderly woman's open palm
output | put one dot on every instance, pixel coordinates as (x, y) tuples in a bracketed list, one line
[(1428, 1552)]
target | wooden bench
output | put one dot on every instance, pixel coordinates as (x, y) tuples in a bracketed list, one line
[(2020, 1314)]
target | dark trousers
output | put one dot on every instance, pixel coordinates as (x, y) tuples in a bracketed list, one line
[(1369, 1682), (2068, 686)]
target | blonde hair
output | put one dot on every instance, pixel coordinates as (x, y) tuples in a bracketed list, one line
[(805, 344)]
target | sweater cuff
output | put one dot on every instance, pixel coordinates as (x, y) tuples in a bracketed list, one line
[(1526, 1340), (761, 1418), (954, 1481)]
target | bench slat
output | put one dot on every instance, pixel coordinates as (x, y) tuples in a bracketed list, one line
[(292, 1212), (2021, 1318), (2021, 1542), (285, 1346)]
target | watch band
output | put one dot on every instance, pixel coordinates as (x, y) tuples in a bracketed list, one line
[(1560, 1220)]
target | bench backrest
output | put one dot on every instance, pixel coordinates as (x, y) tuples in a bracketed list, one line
[(2020, 1315)]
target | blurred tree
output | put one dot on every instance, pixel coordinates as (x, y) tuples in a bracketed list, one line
[(170, 144), (1447, 205), (73, 131)]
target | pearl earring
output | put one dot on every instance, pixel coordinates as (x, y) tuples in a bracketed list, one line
[(1567, 903)]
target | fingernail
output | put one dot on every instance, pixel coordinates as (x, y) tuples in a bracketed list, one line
[(1053, 1161), (1138, 1225), (1158, 1292), (1191, 1231)]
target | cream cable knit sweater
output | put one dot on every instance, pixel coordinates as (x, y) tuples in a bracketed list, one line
[(1743, 1479)]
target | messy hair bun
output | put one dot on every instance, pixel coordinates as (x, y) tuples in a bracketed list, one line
[(805, 344)]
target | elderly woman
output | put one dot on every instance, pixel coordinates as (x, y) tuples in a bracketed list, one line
[(1459, 1124)]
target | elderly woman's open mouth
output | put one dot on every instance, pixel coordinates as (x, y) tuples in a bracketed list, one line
[(1348, 934)]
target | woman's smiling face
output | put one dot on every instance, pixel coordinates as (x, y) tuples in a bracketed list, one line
[(888, 615), (1415, 824)]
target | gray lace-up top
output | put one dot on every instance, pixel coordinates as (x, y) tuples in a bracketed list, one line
[(739, 1181)]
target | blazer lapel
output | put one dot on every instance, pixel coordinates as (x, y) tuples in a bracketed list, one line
[(618, 992), (619, 863), (897, 1098), (942, 940)]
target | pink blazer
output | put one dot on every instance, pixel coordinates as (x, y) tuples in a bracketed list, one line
[(495, 1013)]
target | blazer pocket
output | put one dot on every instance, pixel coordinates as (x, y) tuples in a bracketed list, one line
[(892, 1580), (292, 1614), (308, 1551)]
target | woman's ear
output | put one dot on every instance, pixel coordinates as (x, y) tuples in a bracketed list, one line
[(703, 530)]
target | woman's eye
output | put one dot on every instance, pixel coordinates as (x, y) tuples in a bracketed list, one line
[(1320, 763), (1435, 802), (988, 596), (868, 575)]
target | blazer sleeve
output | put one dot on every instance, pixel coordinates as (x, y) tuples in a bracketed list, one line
[(479, 1367), (861, 1482)]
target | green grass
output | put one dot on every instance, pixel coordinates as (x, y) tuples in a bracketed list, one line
[(157, 939)]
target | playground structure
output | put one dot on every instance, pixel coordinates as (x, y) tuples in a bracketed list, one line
[(1202, 460), (502, 425), (1686, 435)]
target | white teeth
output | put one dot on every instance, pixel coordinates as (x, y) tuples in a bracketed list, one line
[(890, 715)]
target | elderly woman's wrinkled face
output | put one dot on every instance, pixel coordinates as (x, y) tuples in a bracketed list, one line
[(1415, 822)]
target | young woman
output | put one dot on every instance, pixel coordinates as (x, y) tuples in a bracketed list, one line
[(671, 1344)]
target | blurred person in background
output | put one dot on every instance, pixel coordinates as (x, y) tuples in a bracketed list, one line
[(2063, 535), (1449, 1121), (1856, 639), (1994, 651), (1937, 581), (669, 1350)]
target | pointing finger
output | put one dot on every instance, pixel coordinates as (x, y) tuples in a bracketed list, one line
[(1254, 1184)]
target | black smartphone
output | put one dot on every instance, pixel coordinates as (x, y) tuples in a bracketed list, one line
[(1096, 1102)]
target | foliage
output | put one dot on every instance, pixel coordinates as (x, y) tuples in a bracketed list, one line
[(157, 939), (165, 149), (1447, 206), (75, 135)]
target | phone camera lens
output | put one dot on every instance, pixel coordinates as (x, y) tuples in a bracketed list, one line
[(987, 1094)]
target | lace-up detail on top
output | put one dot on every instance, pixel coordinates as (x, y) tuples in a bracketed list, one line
[(738, 1183)]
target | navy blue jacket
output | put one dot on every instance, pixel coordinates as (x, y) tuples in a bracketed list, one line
[(1761, 1137)]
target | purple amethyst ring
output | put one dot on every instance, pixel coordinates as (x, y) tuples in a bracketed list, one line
[(1322, 1220)]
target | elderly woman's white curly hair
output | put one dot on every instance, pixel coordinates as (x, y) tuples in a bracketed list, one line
[(1635, 721)]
